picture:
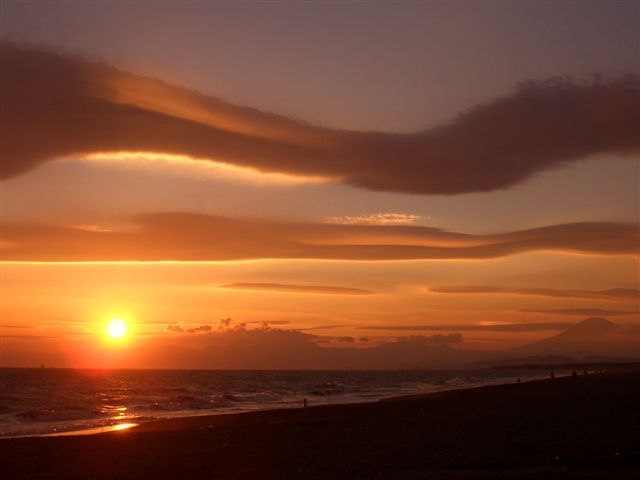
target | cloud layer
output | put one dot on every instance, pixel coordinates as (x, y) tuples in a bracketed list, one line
[(180, 328), (490, 327), (376, 219), (437, 339), (290, 349), (85, 107), (285, 288), (582, 312), (192, 237), (620, 294)]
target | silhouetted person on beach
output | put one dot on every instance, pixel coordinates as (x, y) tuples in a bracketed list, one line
[(552, 376), (574, 376)]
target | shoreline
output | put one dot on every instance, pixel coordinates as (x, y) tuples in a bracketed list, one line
[(587, 429), (158, 423), (137, 423)]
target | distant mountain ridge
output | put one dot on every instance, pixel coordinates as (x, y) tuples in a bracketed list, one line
[(594, 337)]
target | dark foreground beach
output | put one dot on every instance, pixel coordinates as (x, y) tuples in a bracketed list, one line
[(589, 429)]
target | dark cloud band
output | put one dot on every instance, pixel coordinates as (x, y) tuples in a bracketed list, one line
[(56, 105)]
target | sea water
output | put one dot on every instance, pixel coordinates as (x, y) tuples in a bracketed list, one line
[(55, 401)]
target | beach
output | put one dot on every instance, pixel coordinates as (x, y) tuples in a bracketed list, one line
[(563, 428)]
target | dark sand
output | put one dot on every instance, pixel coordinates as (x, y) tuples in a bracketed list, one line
[(560, 429)]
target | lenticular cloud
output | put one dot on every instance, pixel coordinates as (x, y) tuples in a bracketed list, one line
[(85, 107)]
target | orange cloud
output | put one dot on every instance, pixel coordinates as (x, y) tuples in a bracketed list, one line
[(180, 328), (582, 312), (85, 107), (192, 237), (376, 219), (314, 289), (182, 165), (620, 294), (489, 327), (437, 339)]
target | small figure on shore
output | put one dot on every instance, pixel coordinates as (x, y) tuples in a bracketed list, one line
[(574, 376), (585, 373), (553, 377), (304, 403), (519, 381)]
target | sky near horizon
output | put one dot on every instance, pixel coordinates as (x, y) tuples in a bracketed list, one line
[(356, 171)]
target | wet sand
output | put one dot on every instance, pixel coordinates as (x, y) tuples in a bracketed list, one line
[(589, 429)]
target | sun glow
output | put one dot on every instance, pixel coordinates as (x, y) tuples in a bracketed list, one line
[(116, 328)]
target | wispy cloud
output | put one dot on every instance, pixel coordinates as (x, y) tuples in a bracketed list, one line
[(346, 339), (180, 328), (185, 166), (620, 294), (323, 327), (28, 337), (437, 339), (376, 219), (582, 312), (285, 288), (191, 237), (488, 327), (85, 107)]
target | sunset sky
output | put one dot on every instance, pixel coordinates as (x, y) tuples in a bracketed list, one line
[(343, 173)]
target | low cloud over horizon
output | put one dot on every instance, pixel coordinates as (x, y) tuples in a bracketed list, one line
[(488, 327), (180, 328), (437, 339), (581, 312), (86, 107)]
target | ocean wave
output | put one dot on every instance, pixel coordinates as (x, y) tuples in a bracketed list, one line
[(42, 401)]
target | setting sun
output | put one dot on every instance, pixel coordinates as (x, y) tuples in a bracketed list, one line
[(222, 262), (116, 328)]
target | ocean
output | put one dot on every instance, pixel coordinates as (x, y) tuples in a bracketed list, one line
[(49, 401)]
